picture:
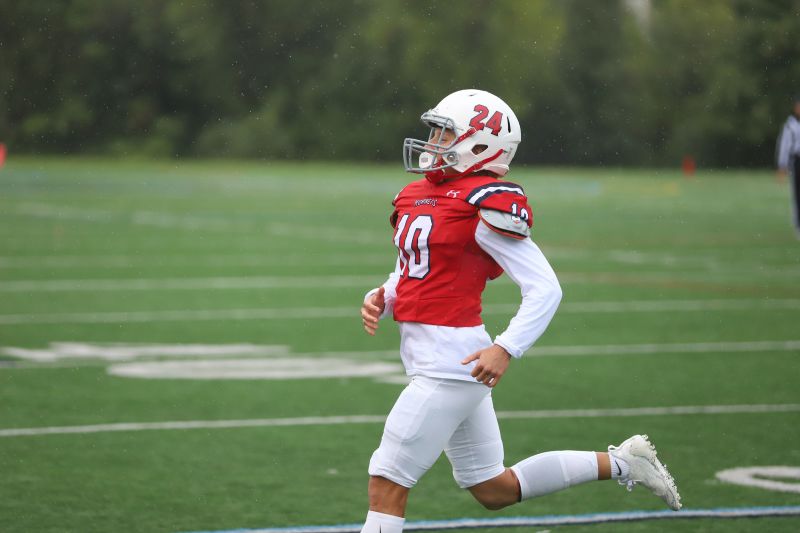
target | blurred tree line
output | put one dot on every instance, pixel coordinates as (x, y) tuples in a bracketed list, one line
[(615, 82)]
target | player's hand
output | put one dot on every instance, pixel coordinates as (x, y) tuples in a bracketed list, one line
[(781, 174), (371, 311), (492, 364)]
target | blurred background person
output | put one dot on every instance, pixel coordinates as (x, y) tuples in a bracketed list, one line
[(787, 154)]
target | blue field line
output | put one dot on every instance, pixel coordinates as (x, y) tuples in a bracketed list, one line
[(547, 520)]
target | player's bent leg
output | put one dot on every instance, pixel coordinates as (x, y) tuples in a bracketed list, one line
[(546, 473), (417, 429), (476, 452), (498, 492), (550, 472)]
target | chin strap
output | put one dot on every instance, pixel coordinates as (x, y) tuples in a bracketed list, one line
[(436, 176)]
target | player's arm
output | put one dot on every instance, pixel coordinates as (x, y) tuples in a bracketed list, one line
[(379, 302), (527, 266)]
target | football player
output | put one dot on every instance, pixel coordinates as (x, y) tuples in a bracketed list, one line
[(456, 228)]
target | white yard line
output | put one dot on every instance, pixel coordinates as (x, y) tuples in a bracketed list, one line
[(182, 315), (94, 354), (654, 411), (681, 347), (305, 313), (658, 306), (216, 283), (379, 419), (57, 351)]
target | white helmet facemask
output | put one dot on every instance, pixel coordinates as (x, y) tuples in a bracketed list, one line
[(431, 156)]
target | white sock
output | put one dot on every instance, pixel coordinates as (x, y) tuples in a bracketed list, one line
[(619, 467), (383, 523), (549, 472)]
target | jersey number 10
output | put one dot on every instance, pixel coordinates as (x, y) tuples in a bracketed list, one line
[(412, 244)]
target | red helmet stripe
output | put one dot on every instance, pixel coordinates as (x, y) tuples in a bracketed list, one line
[(479, 164)]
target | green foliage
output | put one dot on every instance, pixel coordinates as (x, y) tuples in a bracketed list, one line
[(592, 82)]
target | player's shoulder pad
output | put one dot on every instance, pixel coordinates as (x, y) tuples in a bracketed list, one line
[(502, 196), (482, 193), (505, 223)]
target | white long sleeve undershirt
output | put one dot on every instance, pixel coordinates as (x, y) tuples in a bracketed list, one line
[(437, 351), (527, 266)]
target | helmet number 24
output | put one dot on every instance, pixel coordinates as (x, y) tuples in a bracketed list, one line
[(495, 123)]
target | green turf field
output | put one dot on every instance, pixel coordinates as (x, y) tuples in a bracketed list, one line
[(677, 292)]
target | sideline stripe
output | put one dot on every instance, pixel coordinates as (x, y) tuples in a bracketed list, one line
[(379, 419), (303, 313), (547, 520)]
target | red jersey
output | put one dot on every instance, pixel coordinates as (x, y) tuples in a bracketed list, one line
[(443, 270)]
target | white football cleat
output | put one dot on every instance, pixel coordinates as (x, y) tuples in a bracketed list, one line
[(646, 469)]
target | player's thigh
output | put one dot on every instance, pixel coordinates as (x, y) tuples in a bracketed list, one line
[(419, 426), (475, 449)]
